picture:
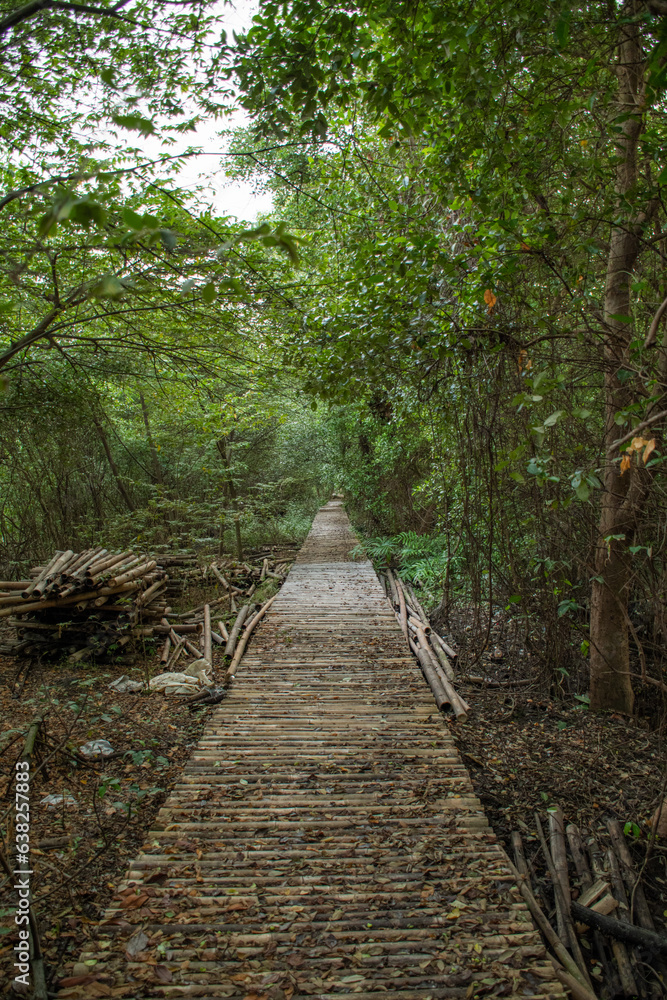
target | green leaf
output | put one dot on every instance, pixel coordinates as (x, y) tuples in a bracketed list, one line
[(135, 123), (108, 287), (209, 293), (562, 29), (133, 219), (553, 419), (583, 491)]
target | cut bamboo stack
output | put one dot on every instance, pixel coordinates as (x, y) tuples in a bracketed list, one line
[(82, 603), (608, 932), (434, 654)]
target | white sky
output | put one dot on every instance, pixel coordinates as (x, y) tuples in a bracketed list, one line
[(227, 197)]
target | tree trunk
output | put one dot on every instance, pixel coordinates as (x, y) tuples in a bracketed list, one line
[(611, 686), (157, 468), (112, 465)]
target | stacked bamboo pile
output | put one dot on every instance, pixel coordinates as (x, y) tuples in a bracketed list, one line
[(434, 654), (610, 916), (182, 568), (83, 603), (238, 579)]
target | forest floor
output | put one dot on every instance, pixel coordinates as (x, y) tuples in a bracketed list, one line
[(524, 751)]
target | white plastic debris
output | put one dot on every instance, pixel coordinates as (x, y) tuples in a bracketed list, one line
[(182, 683), (53, 801), (96, 748), (202, 670), (174, 683), (124, 685)]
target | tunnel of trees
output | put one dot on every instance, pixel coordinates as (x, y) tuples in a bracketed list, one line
[(454, 315), (454, 312)]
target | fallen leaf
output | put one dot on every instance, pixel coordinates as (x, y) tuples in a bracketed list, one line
[(163, 974), (77, 980), (136, 944)]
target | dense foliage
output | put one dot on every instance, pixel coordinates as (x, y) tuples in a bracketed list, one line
[(472, 346)]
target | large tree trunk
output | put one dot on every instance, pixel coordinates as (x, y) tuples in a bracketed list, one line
[(611, 686)]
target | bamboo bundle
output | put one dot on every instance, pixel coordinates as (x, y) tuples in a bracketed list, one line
[(82, 603), (611, 907), (430, 649)]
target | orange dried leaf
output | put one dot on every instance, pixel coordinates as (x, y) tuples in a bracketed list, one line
[(490, 299), (626, 462), (650, 446)]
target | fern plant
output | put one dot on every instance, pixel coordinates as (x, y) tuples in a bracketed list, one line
[(421, 559)]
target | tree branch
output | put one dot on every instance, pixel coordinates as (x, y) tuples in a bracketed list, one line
[(635, 430), (37, 6)]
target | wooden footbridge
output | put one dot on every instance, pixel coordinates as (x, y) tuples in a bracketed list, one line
[(324, 839)]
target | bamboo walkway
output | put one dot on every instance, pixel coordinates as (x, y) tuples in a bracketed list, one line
[(324, 839)]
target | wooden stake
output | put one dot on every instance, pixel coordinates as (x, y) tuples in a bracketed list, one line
[(208, 645)]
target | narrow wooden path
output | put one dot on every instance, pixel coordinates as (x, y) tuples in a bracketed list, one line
[(324, 839)]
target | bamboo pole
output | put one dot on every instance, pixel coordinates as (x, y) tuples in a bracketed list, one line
[(392, 587), (208, 645), (557, 843), (223, 631), (457, 704), (61, 601), (176, 652), (415, 603), (43, 574), (402, 610), (216, 572), (236, 628), (624, 961), (75, 563), (621, 930), (164, 656), (554, 942), (249, 629), (638, 902), (519, 855), (133, 573), (109, 564), (146, 596), (568, 925), (438, 647)]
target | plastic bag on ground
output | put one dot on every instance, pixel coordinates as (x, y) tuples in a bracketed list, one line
[(96, 748), (174, 683), (53, 801), (123, 685)]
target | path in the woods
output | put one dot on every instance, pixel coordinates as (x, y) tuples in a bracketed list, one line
[(324, 839)]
